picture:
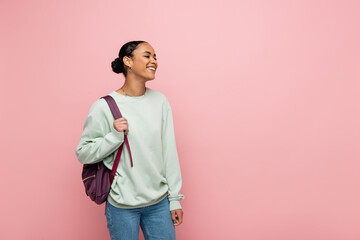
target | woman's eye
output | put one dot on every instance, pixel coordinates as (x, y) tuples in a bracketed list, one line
[(149, 56)]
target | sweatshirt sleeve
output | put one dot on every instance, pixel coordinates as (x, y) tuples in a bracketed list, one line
[(172, 165), (97, 140)]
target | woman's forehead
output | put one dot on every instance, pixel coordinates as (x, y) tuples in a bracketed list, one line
[(145, 48)]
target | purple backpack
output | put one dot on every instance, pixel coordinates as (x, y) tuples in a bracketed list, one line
[(97, 178)]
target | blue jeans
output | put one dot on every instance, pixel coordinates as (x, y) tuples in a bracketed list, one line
[(155, 221)]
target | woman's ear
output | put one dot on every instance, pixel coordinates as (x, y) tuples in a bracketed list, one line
[(127, 61)]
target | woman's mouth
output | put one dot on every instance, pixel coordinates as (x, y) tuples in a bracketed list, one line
[(152, 69)]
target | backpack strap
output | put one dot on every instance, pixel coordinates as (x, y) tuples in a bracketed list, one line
[(117, 114)]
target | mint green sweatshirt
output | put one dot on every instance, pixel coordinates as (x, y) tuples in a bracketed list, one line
[(156, 169)]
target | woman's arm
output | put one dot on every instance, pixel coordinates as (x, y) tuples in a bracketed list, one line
[(170, 155), (97, 140)]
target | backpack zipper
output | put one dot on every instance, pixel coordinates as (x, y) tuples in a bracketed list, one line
[(88, 177)]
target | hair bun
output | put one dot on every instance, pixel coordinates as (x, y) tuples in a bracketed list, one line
[(117, 65)]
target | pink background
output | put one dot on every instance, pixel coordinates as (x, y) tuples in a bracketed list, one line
[(265, 97)]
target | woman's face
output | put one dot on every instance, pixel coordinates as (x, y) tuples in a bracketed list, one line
[(144, 63)]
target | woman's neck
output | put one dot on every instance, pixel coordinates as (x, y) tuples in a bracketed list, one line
[(132, 88)]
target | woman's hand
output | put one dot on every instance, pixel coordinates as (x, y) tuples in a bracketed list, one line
[(121, 125), (177, 216)]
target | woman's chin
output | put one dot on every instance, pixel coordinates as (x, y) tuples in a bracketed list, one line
[(150, 79)]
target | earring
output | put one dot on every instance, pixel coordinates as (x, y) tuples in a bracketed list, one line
[(130, 69)]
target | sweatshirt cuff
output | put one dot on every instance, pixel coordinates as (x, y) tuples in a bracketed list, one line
[(116, 135), (175, 205), (175, 201)]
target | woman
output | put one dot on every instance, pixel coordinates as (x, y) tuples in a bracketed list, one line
[(147, 194)]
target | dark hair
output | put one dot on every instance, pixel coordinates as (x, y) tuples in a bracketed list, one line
[(126, 50)]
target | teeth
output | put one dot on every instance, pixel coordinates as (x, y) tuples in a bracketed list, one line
[(151, 68)]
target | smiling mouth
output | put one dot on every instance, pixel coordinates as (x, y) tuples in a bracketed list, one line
[(151, 69)]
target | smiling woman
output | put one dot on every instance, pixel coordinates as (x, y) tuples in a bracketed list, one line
[(136, 60), (147, 194)]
